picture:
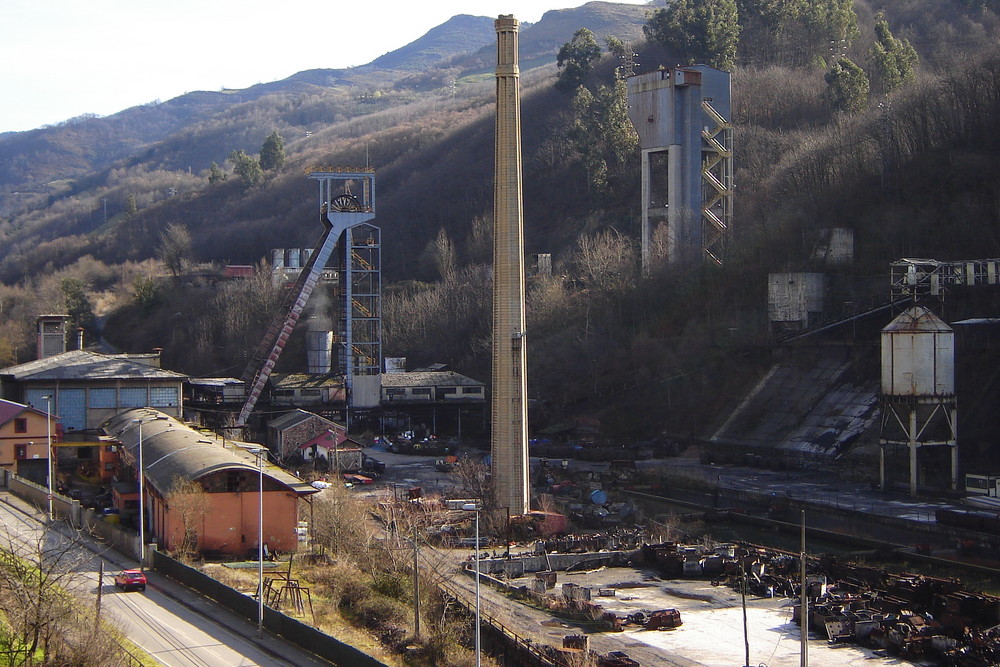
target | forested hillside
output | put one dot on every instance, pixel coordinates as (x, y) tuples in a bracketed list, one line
[(879, 117)]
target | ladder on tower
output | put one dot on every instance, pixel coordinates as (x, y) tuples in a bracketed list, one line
[(262, 363)]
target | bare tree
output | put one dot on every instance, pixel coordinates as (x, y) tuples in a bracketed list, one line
[(186, 499), (175, 246), (40, 590)]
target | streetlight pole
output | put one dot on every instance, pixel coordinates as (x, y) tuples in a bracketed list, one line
[(260, 541), (474, 507), (142, 509), (48, 437)]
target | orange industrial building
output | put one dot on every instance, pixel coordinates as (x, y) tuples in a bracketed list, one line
[(201, 492)]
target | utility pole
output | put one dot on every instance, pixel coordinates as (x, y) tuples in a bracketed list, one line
[(100, 590), (416, 586), (743, 595), (803, 603)]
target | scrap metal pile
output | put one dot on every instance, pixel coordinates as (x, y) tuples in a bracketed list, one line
[(909, 615)]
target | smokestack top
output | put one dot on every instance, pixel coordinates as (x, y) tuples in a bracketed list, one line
[(506, 22)]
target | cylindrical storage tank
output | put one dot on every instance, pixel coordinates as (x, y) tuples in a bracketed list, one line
[(319, 346), (278, 258), (292, 258), (918, 355)]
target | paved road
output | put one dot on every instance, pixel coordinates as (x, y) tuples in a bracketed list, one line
[(176, 626)]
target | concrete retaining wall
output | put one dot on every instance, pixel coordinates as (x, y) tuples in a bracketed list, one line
[(63, 507), (121, 539)]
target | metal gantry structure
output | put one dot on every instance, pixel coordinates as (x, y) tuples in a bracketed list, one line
[(347, 207), (917, 278)]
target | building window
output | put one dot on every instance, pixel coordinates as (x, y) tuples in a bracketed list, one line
[(163, 397), (310, 392), (395, 391), (101, 398), (233, 481), (472, 390), (421, 392), (447, 390), (20, 451), (20, 425), (134, 397)]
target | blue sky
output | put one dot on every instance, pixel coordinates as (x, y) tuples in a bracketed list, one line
[(65, 58)]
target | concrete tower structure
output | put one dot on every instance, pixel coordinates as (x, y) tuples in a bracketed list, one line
[(510, 413), (51, 338), (682, 118)]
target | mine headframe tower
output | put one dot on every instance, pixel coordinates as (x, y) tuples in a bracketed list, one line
[(347, 207)]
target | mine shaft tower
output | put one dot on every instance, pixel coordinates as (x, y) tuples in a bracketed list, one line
[(347, 206), (682, 117)]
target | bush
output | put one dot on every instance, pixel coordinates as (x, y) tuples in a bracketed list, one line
[(393, 585), (352, 594), (383, 616)]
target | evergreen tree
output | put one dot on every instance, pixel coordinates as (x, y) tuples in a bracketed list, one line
[(893, 61), (576, 59), (847, 86), (77, 304), (247, 168), (131, 208), (602, 135), (215, 175), (832, 22), (700, 31), (272, 153)]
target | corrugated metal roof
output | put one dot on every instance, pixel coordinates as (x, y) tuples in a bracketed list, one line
[(84, 365), (295, 417), (171, 449), (306, 381), (917, 319), (215, 382), (429, 379)]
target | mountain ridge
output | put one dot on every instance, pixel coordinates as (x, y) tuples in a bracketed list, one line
[(90, 143)]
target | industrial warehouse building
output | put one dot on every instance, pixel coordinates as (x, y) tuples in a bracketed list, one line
[(86, 388), (201, 492)]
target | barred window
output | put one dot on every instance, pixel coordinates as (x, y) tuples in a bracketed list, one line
[(163, 397), (101, 398), (133, 397)]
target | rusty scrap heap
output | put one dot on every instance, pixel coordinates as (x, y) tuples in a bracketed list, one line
[(909, 615)]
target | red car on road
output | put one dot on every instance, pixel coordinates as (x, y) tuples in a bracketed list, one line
[(127, 579)]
